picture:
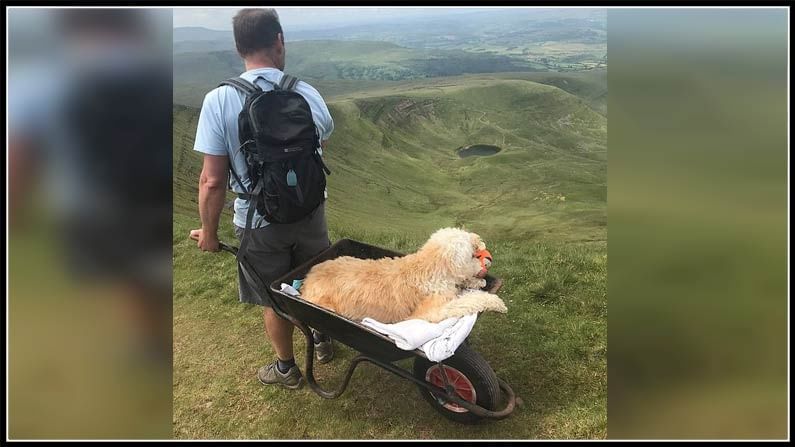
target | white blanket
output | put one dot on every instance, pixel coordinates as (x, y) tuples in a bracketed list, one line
[(290, 290), (437, 340)]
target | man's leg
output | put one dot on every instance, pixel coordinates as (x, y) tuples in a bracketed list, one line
[(268, 253), (280, 333), (312, 238)]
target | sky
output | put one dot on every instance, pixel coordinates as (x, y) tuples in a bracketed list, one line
[(316, 17)]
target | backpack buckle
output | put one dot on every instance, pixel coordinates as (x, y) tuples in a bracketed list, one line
[(244, 146)]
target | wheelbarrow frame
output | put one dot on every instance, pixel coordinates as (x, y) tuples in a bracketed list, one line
[(374, 347)]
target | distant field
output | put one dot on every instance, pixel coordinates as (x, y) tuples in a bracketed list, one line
[(550, 40), (551, 56), (540, 204)]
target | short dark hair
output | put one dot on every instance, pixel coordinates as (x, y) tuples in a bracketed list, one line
[(117, 20), (255, 29)]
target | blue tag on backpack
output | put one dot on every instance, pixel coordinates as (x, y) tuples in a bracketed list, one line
[(292, 179)]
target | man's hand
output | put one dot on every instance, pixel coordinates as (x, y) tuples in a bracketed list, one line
[(206, 242)]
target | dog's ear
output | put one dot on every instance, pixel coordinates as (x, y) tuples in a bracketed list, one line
[(477, 242), (452, 248), (459, 250)]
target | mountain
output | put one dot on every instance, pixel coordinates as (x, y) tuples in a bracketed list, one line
[(198, 33)]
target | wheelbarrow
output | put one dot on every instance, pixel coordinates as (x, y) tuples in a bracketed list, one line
[(463, 388)]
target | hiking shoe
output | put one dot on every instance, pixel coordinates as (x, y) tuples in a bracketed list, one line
[(270, 374), (324, 351)]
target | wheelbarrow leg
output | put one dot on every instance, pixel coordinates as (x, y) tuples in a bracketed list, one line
[(310, 359)]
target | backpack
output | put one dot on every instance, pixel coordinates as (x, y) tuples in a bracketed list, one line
[(280, 142), (120, 132)]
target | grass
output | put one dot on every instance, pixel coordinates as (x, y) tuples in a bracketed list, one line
[(550, 347), (77, 369), (396, 178)]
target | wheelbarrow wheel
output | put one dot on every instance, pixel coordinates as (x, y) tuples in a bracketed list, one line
[(470, 375)]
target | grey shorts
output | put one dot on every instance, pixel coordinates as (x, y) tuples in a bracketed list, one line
[(276, 249)]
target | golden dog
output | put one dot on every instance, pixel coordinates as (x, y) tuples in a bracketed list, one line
[(432, 284)]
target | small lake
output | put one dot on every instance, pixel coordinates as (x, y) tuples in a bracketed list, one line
[(479, 150)]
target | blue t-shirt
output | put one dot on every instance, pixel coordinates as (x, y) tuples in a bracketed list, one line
[(38, 105), (217, 132)]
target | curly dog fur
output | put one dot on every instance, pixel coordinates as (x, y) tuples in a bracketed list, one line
[(432, 284)]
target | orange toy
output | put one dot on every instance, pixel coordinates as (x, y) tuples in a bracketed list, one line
[(485, 262)]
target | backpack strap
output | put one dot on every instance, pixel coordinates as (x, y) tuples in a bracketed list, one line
[(237, 179), (241, 84), (252, 205), (247, 88), (288, 82)]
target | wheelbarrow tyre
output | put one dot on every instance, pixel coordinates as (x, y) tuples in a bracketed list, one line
[(479, 376)]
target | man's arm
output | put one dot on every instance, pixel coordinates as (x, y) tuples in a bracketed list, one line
[(212, 192), (21, 170)]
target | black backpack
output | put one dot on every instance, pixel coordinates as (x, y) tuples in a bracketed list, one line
[(280, 142), (121, 133)]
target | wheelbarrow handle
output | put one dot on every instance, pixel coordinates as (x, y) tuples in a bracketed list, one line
[(222, 245), (226, 247)]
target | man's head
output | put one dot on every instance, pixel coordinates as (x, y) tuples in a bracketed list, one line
[(74, 23), (258, 35)]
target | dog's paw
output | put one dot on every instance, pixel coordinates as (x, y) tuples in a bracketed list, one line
[(474, 283), (496, 304)]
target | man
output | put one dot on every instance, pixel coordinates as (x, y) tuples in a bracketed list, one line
[(89, 136), (274, 249), (90, 175)]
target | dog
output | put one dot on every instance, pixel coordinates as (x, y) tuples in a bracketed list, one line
[(437, 282)]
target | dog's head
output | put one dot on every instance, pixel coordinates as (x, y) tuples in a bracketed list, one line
[(464, 253)]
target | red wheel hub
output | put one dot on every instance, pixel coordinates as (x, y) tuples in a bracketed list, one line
[(456, 379)]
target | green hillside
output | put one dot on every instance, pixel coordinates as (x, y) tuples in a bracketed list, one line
[(590, 86), (540, 204), (548, 180)]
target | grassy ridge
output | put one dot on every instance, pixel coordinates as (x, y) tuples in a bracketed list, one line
[(334, 59), (539, 204), (327, 60)]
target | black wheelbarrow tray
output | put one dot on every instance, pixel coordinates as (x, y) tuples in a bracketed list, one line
[(463, 387)]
